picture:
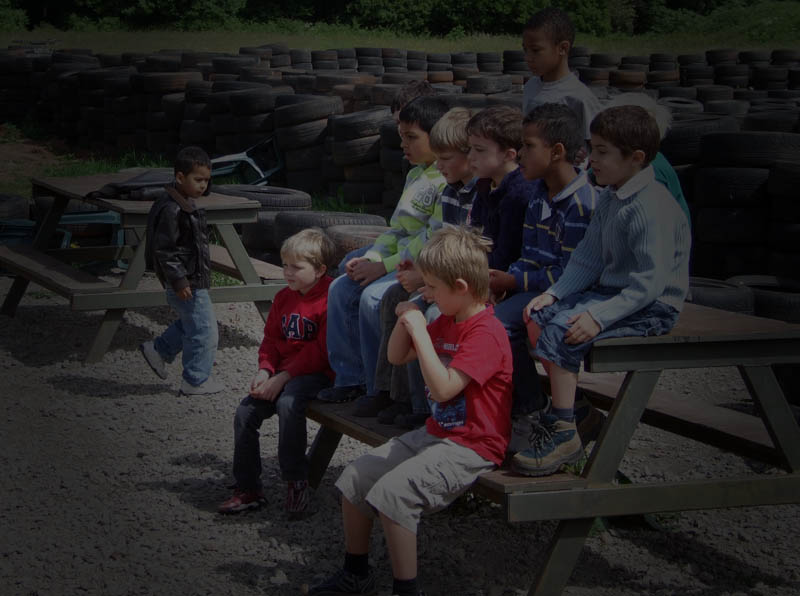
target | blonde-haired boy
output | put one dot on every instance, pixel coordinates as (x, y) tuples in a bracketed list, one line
[(466, 362), (292, 368)]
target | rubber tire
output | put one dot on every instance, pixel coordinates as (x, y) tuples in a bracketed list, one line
[(291, 222), (271, 198), (683, 140), (775, 297), (721, 294), (753, 149), (731, 225), (301, 135), (348, 237), (730, 187), (488, 84), (357, 125), (248, 102), (14, 207), (356, 151), (307, 111)]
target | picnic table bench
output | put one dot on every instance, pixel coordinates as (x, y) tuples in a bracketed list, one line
[(703, 337), (54, 269)]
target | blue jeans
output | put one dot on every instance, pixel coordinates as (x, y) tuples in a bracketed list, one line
[(290, 406), (354, 327), (194, 333), (654, 319), (527, 394)]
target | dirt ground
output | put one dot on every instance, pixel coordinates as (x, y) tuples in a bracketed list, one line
[(111, 482)]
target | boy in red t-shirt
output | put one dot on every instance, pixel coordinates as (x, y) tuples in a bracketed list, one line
[(292, 368), (465, 359)]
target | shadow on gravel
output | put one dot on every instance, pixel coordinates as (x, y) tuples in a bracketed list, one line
[(229, 337), (274, 579), (104, 387), (728, 573), (45, 335)]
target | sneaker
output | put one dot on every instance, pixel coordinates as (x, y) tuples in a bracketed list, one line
[(368, 406), (297, 496), (588, 419), (207, 387), (411, 421), (339, 395), (154, 359), (387, 415), (344, 582), (555, 442), (522, 432), (243, 500)]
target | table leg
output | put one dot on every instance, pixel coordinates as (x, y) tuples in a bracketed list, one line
[(320, 453), (40, 242), (778, 416), (113, 316), (241, 259), (611, 445)]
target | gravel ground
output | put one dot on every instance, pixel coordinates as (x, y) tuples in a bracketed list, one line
[(111, 482)]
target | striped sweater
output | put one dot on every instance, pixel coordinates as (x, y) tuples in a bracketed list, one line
[(412, 219), (552, 230), (638, 241)]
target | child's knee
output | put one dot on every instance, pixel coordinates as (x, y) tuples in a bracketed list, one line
[(534, 332)]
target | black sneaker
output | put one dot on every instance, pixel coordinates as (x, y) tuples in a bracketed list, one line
[(389, 414), (344, 582), (368, 406), (338, 395), (411, 421)]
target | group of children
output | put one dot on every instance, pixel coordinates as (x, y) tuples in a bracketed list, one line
[(501, 237)]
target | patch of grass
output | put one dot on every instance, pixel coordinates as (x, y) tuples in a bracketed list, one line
[(10, 133), (84, 166), (220, 279), (337, 203)]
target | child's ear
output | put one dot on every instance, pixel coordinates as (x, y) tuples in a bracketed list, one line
[(563, 48), (638, 157), (180, 177), (511, 154), (461, 286), (322, 270), (558, 151)]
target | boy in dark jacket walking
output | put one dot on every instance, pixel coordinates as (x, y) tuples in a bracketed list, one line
[(177, 247)]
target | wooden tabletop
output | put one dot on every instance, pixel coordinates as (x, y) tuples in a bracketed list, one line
[(77, 187)]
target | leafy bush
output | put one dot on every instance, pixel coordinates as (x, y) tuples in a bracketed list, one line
[(11, 18)]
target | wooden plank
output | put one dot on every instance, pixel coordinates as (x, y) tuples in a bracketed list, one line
[(49, 272), (139, 298), (683, 415), (221, 261)]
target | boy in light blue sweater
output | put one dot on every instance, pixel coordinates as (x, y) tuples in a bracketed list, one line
[(628, 276)]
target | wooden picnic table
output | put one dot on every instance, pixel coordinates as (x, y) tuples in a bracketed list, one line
[(703, 337), (53, 269)]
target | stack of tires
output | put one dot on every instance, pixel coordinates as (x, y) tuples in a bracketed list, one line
[(784, 234), (391, 161), (93, 106), (16, 91), (465, 64), (489, 61), (370, 60), (693, 70), (228, 68), (259, 237), (324, 60), (440, 62), (417, 61), (62, 91), (301, 59), (514, 63), (346, 58), (280, 55), (579, 56), (732, 232), (162, 137), (119, 115), (235, 108), (357, 148), (195, 128), (301, 127), (394, 60)]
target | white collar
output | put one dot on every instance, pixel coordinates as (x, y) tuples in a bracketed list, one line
[(634, 185), (570, 188)]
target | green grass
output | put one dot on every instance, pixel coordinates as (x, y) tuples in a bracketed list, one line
[(72, 165), (769, 24)]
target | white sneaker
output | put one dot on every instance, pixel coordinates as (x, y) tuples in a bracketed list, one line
[(207, 387), (154, 359)]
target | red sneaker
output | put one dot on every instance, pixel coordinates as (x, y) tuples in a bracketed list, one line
[(243, 500), (297, 497)]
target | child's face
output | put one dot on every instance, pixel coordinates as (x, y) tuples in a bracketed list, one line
[(300, 275), (541, 53), (610, 167), (450, 301), (486, 158), (536, 154), (193, 184), (454, 166), (415, 143)]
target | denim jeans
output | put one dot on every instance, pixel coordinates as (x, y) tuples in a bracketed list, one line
[(527, 396), (195, 334), (354, 327), (656, 318), (290, 406)]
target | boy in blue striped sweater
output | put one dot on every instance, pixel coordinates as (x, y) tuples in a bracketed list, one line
[(628, 277), (557, 216)]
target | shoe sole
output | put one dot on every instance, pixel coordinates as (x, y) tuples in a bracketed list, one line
[(240, 508), (151, 365), (548, 471)]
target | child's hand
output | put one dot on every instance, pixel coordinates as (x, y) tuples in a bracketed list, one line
[(366, 271), (501, 282), (258, 382), (537, 304), (349, 267), (414, 322), (273, 387), (583, 328), (184, 294), (405, 265), (410, 279), (405, 306)]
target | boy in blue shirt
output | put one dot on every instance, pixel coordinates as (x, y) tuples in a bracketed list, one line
[(555, 222), (629, 276)]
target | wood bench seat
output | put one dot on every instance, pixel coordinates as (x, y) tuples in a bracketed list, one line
[(221, 261), (49, 272)]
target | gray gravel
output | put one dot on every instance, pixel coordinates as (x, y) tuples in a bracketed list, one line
[(111, 481)]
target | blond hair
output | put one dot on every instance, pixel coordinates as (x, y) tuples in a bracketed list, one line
[(450, 132), (458, 253), (312, 245)]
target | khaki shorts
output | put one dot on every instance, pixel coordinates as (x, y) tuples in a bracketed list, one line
[(411, 474)]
